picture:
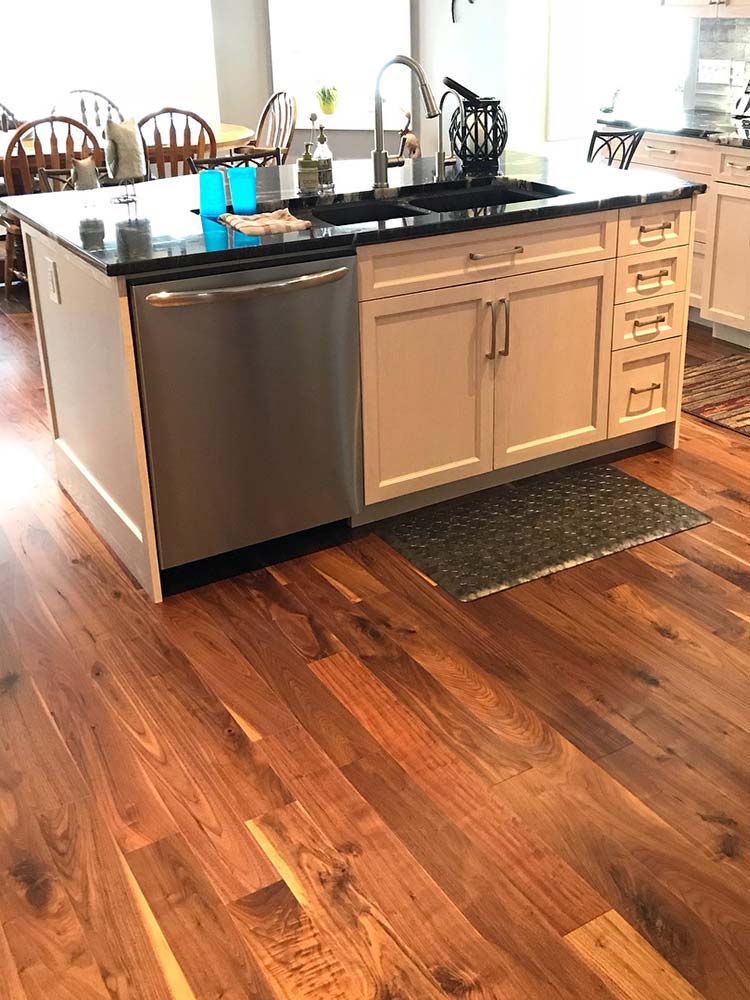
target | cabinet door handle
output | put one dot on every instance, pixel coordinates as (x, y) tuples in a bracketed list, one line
[(638, 323), (663, 273), (649, 388), (498, 253), (658, 149), (505, 303), (742, 166), (662, 226), (493, 341)]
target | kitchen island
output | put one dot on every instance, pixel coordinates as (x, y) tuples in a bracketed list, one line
[(209, 390)]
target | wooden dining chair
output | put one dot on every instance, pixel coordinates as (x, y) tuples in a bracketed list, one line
[(276, 126), (171, 136), (91, 108), (615, 146), (54, 143)]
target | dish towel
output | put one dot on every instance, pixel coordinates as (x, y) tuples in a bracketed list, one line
[(281, 221)]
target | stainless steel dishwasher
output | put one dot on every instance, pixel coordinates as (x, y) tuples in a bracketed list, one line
[(250, 391)]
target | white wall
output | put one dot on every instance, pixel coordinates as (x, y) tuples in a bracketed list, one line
[(498, 48)]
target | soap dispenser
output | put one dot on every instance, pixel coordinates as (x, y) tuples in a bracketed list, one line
[(307, 172), (324, 158)]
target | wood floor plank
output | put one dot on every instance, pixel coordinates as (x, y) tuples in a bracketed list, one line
[(10, 983), (662, 886), (44, 938), (392, 878), (627, 962), (196, 924), (296, 959), (193, 789), (286, 673), (90, 867)]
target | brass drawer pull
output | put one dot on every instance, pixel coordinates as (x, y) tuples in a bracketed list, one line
[(658, 149), (663, 273), (498, 253), (734, 163), (655, 229), (650, 388), (638, 323)]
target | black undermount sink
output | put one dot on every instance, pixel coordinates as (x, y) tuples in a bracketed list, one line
[(364, 211), (484, 197)]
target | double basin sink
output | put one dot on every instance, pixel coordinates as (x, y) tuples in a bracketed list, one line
[(450, 200)]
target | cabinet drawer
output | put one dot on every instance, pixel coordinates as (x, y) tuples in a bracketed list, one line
[(700, 156), (645, 275), (734, 166), (644, 386), (646, 322), (699, 269), (654, 227), (441, 261)]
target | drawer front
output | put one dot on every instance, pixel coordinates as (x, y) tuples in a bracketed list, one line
[(699, 270), (654, 227), (441, 261), (645, 275), (699, 156), (646, 322), (734, 166), (644, 386)]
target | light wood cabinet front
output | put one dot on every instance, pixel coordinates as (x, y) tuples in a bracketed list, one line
[(698, 276), (726, 289), (645, 386), (426, 389), (552, 372), (645, 275), (654, 227), (644, 322)]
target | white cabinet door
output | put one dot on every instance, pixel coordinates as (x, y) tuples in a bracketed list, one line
[(426, 389), (696, 8), (552, 370), (726, 289)]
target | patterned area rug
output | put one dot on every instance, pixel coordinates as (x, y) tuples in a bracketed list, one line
[(496, 539), (719, 392)]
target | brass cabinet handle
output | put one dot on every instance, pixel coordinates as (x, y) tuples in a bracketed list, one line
[(498, 253), (667, 152), (649, 388), (638, 323), (655, 229), (505, 303), (493, 343), (663, 273), (240, 293), (734, 163)]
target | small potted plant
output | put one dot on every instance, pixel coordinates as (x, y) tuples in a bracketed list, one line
[(327, 99)]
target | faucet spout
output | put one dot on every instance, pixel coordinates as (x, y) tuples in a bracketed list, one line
[(441, 159), (380, 153)]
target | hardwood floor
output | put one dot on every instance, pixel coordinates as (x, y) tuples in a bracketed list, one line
[(328, 779)]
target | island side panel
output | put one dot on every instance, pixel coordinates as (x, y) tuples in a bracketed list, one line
[(87, 356)]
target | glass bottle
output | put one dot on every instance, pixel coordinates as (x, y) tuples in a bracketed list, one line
[(324, 159)]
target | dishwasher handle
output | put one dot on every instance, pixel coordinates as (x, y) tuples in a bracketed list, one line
[(243, 293)]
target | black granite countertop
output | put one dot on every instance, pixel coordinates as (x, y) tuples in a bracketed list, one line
[(693, 124), (163, 231)]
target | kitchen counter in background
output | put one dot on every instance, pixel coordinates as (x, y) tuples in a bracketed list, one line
[(162, 230), (714, 126)]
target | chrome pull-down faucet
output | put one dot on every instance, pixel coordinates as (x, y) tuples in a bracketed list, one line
[(380, 153), (441, 160)]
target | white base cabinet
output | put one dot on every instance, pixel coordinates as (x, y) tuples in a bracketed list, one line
[(726, 288), (473, 378)]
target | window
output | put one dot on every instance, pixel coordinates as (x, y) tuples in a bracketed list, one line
[(339, 44), (142, 55)]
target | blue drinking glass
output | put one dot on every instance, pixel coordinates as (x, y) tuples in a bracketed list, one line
[(242, 189), (213, 201)]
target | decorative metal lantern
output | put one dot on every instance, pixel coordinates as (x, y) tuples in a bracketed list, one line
[(479, 137)]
